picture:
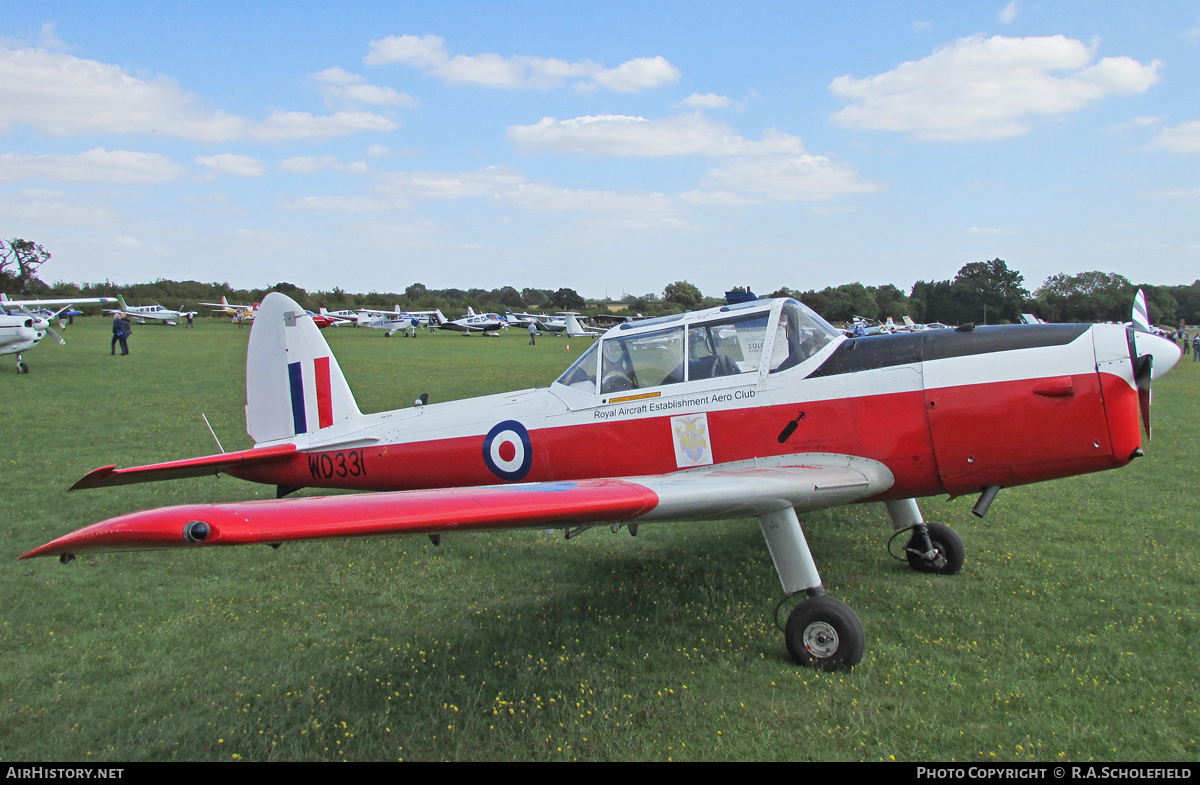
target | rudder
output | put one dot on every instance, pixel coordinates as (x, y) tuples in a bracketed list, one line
[(294, 386)]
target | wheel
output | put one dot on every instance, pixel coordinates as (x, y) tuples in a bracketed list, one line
[(825, 634), (22, 367), (950, 551)]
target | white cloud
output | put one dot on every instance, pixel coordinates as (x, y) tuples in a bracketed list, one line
[(707, 101), (1009, 13), (1172, 193), (625, 135), (94, 166), (1183, 138), (49, 39), (492, 70), (634, 76), (228, 163), (307, 164), (339, 87), (791, 178), (63, 95), (986, 231), (283, 126), (339, 204), (981, 88), (485, 182)]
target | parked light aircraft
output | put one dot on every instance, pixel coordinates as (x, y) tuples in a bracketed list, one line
[(756, 409), (153, 312), (472, 323), (337, 318), (576, 329), (21, 328), (234, 311), (554, 325), (393, 321)]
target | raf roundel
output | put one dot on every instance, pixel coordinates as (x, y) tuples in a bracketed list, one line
[(506, 450)]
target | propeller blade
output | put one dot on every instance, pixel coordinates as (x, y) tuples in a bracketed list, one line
[(1143, 375), (1141, 314), (56, 335)]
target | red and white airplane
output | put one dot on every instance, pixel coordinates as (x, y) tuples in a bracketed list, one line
[(756, 409)]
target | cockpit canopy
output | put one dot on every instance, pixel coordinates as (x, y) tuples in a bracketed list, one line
[(728, 341)]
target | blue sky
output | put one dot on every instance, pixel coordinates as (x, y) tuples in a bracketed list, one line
[(609, 147)]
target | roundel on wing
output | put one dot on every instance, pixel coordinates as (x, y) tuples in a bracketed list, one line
[(506, 450)]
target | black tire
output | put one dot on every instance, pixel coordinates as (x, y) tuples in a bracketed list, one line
[(825, 634), (22, 368), (951, 551)]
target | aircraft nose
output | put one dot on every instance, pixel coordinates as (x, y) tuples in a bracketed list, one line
[(1165, 352)]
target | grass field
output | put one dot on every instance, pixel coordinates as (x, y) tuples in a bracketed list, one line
[(1071, 633)]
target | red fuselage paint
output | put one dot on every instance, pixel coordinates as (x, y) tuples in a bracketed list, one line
[(953, 440)]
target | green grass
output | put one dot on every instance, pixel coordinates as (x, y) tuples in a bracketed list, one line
[(1071, 633)]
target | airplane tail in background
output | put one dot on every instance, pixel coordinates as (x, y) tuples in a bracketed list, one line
[(294, 386)]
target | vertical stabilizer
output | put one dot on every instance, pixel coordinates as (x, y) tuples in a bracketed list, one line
[(294, 386)]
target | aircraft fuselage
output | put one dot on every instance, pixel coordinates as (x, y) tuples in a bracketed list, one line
[(946, 411)]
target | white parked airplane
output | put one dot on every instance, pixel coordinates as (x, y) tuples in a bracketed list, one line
[(143, 312), (472, 322), (394, 320), (576, 329), (20, 331), (554, 325)]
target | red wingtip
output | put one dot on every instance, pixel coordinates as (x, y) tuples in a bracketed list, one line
[(93, 479)]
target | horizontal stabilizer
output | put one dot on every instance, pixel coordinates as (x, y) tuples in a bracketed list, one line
[(107, 476)]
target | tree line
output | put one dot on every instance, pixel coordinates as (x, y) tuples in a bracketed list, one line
[(982, 292)]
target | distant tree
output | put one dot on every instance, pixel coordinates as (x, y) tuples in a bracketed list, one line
[(989, 292), (508, 297), (1188, 299), (842, 303), (567, 300), (416, 292), (1086, 297), (933, 301), (536, 298), (891, 301), (683, 293), (19, 263)]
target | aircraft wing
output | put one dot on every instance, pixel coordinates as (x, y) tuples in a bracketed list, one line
[(805, 482), (107, 476), (7, 303)]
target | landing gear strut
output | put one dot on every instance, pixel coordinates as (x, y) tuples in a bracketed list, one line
[(932, 547), (821, 632), (22, 367)]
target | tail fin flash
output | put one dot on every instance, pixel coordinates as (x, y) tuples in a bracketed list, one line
[(294, 385)]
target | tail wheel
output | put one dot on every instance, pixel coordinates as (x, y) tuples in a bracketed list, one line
[(825, 634), (948, 552)]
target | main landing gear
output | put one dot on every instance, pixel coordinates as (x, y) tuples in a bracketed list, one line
[(825, 633), (22, 366)]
